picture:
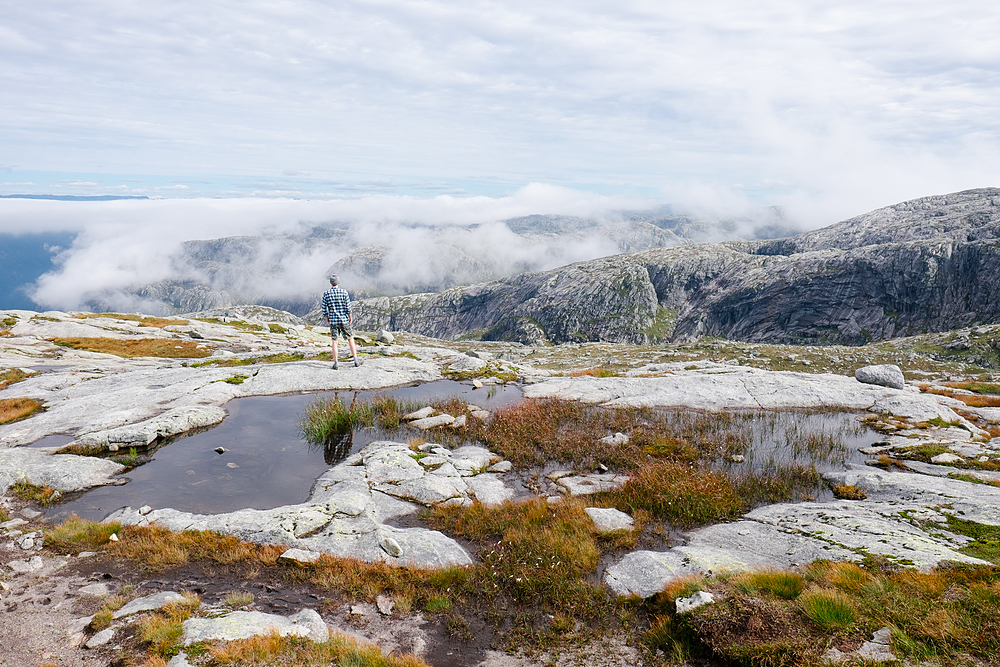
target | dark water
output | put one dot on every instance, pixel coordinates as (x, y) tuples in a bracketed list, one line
[(267, 463)]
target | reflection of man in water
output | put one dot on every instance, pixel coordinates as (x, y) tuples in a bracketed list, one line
[(337, 447)]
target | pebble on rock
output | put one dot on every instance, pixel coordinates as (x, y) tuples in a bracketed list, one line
[(699, 599), (391, 546)]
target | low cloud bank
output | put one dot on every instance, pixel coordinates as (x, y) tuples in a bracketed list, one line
[(160, 256)]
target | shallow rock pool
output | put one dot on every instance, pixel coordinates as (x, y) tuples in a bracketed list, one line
[(267, 463)]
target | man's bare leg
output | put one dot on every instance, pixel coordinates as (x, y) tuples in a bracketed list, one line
[(354, 350), (335, 355)]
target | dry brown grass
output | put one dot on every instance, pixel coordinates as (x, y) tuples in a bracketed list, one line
[(138, 347), (272, 649), (14, 409), (973, 400), (158, 547), (10, 376), (158, 322), (75, 535)]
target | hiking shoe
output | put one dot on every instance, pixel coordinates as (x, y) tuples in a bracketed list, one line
[(336, 365), (357, 362)]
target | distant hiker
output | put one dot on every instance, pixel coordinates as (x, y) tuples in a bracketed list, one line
[(337, 310)]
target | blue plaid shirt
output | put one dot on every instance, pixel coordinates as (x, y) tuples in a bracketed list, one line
[(337, 305)]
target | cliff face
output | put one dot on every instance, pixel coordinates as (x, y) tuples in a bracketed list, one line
[(930, 264)]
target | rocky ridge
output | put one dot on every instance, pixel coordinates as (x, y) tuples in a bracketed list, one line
[(919, 266)]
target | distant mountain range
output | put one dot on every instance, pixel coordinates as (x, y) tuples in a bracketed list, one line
[(387, 260), (75, 197), (930, 264)]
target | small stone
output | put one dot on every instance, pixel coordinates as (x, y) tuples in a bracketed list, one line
[(101, 638), (301, 555), (481, 415), (12, 524), (232, 465), (422, 413), (97, 590), (882, 636), (616, 439), (27, 542), (384, 336), (113, 538), (220, 450), (947, 457), (4, 586), (385, 604), (391, 546), (145, 509), (459, 422), (86, 554), (477, 384), (30, 514), (699, 599), (984, 459), (358, 610), (737, 458), (502, 466), (419, 645)]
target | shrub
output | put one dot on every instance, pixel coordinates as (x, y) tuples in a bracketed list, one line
[(784, 585)]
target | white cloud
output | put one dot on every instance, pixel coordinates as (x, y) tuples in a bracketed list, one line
[(123, 245), (831, 108)]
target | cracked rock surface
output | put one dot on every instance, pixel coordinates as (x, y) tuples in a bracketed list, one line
[(352, 504)]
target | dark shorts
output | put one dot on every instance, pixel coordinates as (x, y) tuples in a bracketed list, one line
[(341, 328)]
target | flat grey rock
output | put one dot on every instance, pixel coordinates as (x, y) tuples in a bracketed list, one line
[(608, 520), (788, 535), (63, 472), (432, 422), (149, 603), (27, 565), (101, 638), (422, 413), (885, 375), (243, 624), (96, 590), (582, 485)]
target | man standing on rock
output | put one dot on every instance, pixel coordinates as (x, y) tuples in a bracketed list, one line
[(337, 310)]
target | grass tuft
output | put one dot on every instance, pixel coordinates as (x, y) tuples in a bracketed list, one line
[(784, 585), (845, 492), (16, 409), (43, 495), (12, 375), (830, 610), (239, 599), (75, 535)]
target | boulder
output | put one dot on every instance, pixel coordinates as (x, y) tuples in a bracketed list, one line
[(243, 624), (150, 602), (885, 375), (384, 336)]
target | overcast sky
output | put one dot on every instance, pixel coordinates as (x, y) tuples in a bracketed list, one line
[(829, 108)]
